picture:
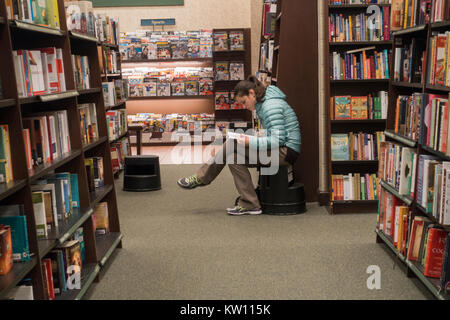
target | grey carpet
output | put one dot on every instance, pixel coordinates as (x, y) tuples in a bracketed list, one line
[(181, 244)]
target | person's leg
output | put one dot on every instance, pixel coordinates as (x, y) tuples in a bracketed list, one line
[(244, 185)]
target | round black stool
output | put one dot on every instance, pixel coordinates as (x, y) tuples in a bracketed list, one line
[(141, 174), (279, 196)]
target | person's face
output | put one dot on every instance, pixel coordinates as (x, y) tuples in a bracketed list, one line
[(248, 101)]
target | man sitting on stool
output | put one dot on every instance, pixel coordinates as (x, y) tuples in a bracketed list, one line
[(282, 136)]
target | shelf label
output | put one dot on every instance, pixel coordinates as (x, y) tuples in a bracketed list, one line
[(157, 22)]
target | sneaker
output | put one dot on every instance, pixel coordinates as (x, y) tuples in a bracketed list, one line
[(190, 182), (239, 211)]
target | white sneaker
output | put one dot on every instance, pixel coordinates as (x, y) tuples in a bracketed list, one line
[(239, 211)]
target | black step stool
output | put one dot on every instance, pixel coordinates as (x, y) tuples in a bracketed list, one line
[(280, 195), (141, 174)]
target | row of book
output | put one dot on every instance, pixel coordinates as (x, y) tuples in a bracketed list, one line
[(409, 13), (173, 122), (116, 122), (139, 75), (359, 107), (119, 150), (269, 16), (226, 100), (115, 92), (46, 137), (354, 187), (266, 56), (355, 146), (81, 18), (439, 62), (6, 171), (421, 241), (54, 199), (433, 188), (359, 27), (81, 71), (360, 64), (88, 122), (109, 60), (397, 167), (179, 87), (95, 173), (43, 12), (39, 71), (424, 118), (409, 62)]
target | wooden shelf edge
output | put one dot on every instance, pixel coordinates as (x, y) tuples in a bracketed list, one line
[(356, 6), (393, 191), (116, 239), (437, 88), (49, 97), (75, 226), (89, 91), (100, 193), (210, 97), (90, 272), (36, 28), (5, 103), (7, 189), (83, 36), (94, 144), (401, 139), (407, 85), (410, 30), (360, 43), (439, 154), (123, 135)]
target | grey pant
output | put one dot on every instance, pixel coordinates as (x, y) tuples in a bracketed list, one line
[(242, 177)]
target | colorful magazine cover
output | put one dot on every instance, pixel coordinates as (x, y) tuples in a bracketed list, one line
[(237, 71), (163, 50), (180, 49), (163, 89), (194, 48), (150, 87), (234, 105), (236, 40), (206, 87), (221, 71), (177, 88), (191, 88), (221, 41), (222, 100)]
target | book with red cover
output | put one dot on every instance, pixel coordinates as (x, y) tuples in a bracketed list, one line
[(48, 270), (435, 252), (6, 253)]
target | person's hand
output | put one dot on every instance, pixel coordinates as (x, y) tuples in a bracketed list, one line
[(243, 139)]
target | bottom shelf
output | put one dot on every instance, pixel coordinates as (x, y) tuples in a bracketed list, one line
[(432, 284), (17, 273), (88, 274), (354, 206)]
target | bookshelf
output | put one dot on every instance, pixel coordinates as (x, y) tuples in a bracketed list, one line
[(119, 105), (420, 34), (293, 70), (358, 86), (18, 35)]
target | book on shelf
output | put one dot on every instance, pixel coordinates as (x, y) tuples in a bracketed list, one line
[(6, 251), (14, 217), (81, 70), (409, 61), (222, 100), (120, 150), (445, 276), (407, 115), (96, 169), (116, 122), (359, 107), (49, 137), (111, 60), (206, 87), (44, 12), (355, 146), (360, 64), (102, 218), (269, 16), (88, 122), (163, 89), (40, 214), (191, 88), (399, 167), (358, 27), (408, 13), (354, 187), (39, 71), (438, 62), (6, 165)]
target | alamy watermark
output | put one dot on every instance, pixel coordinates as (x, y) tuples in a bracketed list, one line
[(212, 146), (374, 280)]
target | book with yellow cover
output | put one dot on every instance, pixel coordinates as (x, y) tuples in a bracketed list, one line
[(359, 108)]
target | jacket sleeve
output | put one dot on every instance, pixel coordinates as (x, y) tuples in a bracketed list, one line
[(275, 131)]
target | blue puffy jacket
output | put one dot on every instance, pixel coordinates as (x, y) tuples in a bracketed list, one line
[(278, 120)]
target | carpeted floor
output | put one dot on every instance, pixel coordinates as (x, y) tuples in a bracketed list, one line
[(181, 244)]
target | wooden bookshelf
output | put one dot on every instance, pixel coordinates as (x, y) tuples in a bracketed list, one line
[(422, 32), (244, 56), (16, 35), (351, 87)]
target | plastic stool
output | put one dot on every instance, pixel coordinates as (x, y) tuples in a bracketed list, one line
[(279, 196), (141, 174)]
